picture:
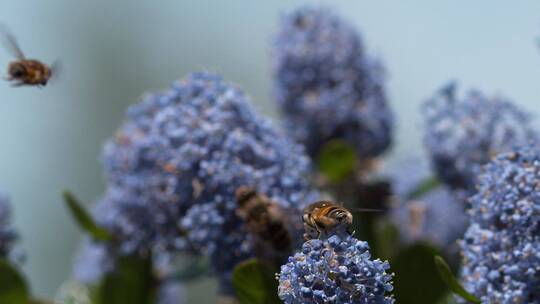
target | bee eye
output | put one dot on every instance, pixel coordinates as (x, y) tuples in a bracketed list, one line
[(341, 216), (17, 71)]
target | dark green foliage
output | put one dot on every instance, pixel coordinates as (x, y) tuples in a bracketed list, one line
[(40, 301), (417, 280), (130, 282), (254, 283), (13, 287), (388, 242), (337, 160), (450, 280), (83, 218)]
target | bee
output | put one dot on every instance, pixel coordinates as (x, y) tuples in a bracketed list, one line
[(24, 71), (325, 216), (263, 218)]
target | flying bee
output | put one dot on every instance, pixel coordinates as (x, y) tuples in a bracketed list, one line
[(326, 216), (263, 218), (24, 71)]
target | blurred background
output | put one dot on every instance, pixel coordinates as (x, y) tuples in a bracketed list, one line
[(113, 52)]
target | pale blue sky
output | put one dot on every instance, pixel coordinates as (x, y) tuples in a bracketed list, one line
[(113, 52)]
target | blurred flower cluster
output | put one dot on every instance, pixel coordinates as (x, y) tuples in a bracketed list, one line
[(437, 216), (327, 86), (176, 169), (463, 133), (501, 248), (173, 168)]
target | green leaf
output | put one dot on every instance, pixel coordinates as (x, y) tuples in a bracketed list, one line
[(13, 287), (40, 301), (417, 280), (85, 221), (447, 299), (337, 160), (130, 282), (424, 187), (450, 280), (388, 241), (254, 283), (93, 292)]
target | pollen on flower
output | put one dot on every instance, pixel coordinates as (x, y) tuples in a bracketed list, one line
[(338, 269)]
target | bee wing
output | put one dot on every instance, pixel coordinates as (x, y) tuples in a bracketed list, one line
[(56, 70), (366, 210), (56, 67), (10, 42)]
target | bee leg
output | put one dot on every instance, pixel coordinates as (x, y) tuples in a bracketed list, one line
[(308, 234), (17, 84)]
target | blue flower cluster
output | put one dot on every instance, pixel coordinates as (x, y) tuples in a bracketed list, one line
[(326, 86), (173, 167), (171, 293), (462, 134), (7, 234), (338, 269), (437, 216), (501, 248)]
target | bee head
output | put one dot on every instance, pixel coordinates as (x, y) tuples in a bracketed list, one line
[(306, 217), (16, 70), (244, 193), (344, 217)]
